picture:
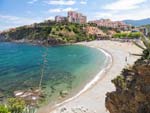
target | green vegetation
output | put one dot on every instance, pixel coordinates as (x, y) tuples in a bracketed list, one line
[(68, 33), (15, 105), (146, 49), (51, 32), (119, 83), (4, 109), (131, 35)]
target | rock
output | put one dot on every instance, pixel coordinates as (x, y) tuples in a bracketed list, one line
[(63, 93), (31, 97), (18, 93)]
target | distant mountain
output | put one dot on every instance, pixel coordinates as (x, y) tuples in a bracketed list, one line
[(138, 22)]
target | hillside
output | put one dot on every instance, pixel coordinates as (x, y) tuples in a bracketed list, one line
[(138, 22), (53, 33), (46, 32)]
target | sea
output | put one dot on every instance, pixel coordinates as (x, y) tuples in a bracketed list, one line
[(62, 68)]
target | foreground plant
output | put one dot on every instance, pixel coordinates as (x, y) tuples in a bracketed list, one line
[(119, 83), (16, 105), (4, 109), (146, 47)]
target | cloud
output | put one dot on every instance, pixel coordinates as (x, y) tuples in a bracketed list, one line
[(125, 9), (124, 4), (61, 2), (17, 20), (50, 18), (69, 9), (7, 17), (59, 10), (122, 15), (9, 21), (32, 1), (99, 15), (83, 2)]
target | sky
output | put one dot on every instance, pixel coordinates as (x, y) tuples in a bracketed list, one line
[(15, 13)]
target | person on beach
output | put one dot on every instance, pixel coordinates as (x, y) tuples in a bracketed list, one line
[(126, 59)]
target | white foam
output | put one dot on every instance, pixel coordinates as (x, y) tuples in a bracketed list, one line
[(93, 81), (19, 93)]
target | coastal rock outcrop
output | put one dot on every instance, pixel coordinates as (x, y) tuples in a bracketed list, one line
[(132, 93), (2, 37)]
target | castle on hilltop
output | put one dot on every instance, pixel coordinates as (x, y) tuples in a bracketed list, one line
[(73, 17)]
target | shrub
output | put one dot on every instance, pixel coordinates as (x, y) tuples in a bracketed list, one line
[(4, 109), (120, 83), (16, 105), (117, 35), (127, 35), (124, 35), (134, 35)]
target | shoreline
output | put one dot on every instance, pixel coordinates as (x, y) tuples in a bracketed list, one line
[(95, 79), (93, 100), (87, 85), (100, 75)]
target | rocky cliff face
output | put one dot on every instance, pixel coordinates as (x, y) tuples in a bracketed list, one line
[(132, 93), (2, 37)]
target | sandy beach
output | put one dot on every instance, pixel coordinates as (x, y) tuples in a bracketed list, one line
[(93, 99)]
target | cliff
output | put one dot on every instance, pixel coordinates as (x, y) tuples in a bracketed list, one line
[(132, 93)]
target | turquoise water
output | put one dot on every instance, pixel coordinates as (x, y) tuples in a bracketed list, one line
[(65, 67)]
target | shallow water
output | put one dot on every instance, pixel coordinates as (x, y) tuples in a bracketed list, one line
[(65, 67)]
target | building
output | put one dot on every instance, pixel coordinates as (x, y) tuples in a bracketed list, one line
[(111, 24), (73, 17), (60, 19), (144, 30), (76, 17)]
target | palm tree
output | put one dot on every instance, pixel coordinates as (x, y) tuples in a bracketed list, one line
[(146, 49)]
